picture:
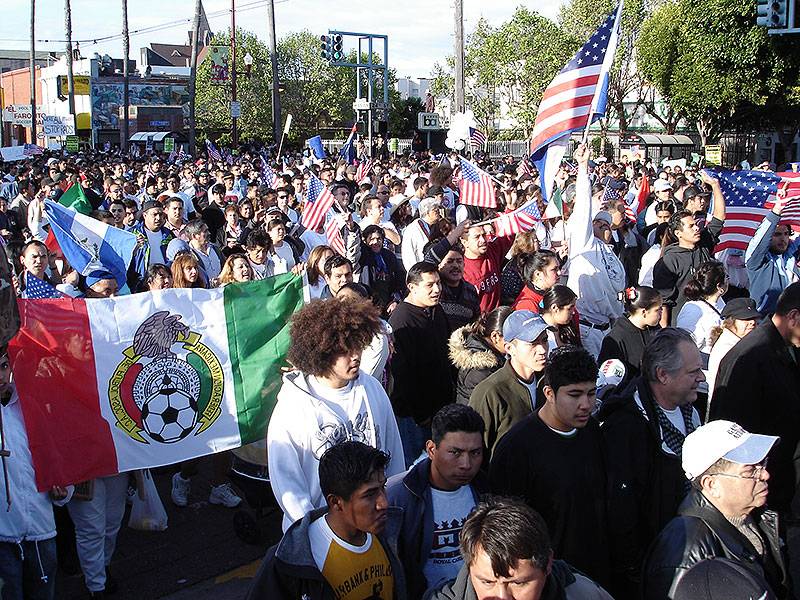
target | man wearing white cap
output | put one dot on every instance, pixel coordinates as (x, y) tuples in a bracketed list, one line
[(723, 516)]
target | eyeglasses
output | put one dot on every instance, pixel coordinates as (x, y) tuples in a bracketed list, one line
[(756, 474)]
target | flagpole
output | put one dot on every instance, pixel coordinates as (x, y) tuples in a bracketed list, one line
[(283, 135)]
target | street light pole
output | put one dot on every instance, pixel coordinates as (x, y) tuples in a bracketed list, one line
[(459, 55), (273, 58), (234, 131), (33, 73)]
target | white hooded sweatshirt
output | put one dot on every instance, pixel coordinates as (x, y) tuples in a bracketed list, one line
[(308, 419)]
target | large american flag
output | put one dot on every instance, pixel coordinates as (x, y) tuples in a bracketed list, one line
[(318, 201), (37, 289), (524, 218), (476, 138), (749, 195), (579, 89), (475, 186)]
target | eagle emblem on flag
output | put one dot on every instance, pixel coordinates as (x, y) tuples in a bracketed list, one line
[(168, 385)]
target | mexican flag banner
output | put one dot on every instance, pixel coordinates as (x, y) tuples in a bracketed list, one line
[(111, 385)]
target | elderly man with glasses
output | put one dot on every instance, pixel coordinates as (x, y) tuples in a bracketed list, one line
[(724, 514)]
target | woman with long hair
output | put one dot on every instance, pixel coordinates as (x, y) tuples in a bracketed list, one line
[(540, 271), (158, 277), (558, 311), (703, 311), (186, 271), (630, 334), (478, 350), (663, 238), (315, 269), (236, 269), (511, 282)]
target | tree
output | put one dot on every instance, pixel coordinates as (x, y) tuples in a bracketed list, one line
[(403, 116), (712, 63)]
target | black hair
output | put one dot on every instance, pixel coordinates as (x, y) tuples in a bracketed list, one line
[(561, 296), (416, 272), (334, 262), (508, 531), (370, 229), (274, 223), (676, 220), (455, 417), (705, 281), (531, 263), (347, 466), (789, 300), (217, 188), (258, 237), (641, 297), (665, 205), (355, 287), (491, 321), (567, 365)]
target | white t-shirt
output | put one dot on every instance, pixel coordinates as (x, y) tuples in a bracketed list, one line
[(282, 259), (154, 241), (312, 239), (698, 317), (450, 511)]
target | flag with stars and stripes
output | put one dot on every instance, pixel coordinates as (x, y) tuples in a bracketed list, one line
[(749, 196), (318, 202), (364, 167), (524, 168), (522, 219), (475, 186), (574, 99), (476, 139), (38, 289), (213, 152), (267, 174), (333, 232)]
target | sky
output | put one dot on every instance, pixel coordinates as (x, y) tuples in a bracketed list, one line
[(420, 31)]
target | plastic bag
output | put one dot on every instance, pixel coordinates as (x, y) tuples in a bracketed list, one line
[(147, 511)]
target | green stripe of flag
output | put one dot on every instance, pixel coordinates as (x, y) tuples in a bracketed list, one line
[(75, 199), (257, 316)]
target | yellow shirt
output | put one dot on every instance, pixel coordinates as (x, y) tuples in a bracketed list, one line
[(354, 572)]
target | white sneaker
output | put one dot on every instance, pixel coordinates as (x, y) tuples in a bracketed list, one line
[(224, 494), (180, 490)]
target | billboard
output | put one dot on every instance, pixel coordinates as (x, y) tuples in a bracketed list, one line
[(220, 72), (107, 100)]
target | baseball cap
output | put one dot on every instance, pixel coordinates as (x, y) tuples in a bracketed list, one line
[(151, 204), (723, 439), (741, 308), (523, 325), (693, 191), (719, 578), (603, 215), (98, 275), (662, 186)]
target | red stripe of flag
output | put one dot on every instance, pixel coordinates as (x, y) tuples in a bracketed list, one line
[(557, 128), (574, 102), (578, 82), (313, 214)]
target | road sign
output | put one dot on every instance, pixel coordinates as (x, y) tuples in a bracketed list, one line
[(236, 109), (73, 143), (361, 104), (169, 144), (714, 155), (428, 121)]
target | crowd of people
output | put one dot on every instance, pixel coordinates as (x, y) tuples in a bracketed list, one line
[(580, 410)]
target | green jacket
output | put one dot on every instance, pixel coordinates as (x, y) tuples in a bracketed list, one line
[(503, 401)]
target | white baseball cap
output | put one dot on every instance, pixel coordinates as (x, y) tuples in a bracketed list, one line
[(723, 439), (662, 186)]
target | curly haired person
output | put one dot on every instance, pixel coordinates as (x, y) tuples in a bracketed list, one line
[(327, 400)]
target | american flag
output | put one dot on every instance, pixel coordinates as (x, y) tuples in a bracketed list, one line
[(610, 195), (172, 156), (522, 219), (213, 153), (476, 187), (318, 202), (524, 168), (31, 150), (334, 234), (633, 209), (37, 289), (364, 167), (749, 195), (267, 174), (476, 138), (181, 153), (579, 88)]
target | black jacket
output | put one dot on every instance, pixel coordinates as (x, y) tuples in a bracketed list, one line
[(411, 491), (387, 285), (626, 342), (758, 387), (645, 484), (674, 269), (700, 531), (290, 573), (474, 359), (421, 369)]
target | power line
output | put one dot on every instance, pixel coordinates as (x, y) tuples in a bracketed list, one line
[(152, 28)]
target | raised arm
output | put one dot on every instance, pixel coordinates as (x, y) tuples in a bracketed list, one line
[(580, 222)]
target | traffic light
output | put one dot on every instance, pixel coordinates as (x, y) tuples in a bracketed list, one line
[(326, 47), (337, 53), (772, 13)]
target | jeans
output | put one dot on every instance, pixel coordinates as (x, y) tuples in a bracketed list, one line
[(413, 437), (97, 522), (28, 570)]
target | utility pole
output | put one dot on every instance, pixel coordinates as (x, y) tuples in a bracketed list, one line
[(33, 72), (198, 6), (459, 54), (273, 59), (234, 130), (125, 79), (70, 75)]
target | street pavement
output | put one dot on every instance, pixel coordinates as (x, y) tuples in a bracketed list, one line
[(199, 556)]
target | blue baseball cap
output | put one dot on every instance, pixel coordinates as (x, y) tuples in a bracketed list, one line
[(523, 325)]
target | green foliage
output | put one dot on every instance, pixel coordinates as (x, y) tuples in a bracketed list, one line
[(403, 116)]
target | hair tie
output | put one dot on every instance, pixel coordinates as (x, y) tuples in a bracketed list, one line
[(630, 293)]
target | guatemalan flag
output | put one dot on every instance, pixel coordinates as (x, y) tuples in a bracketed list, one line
[(574, 99), (91, 245), (348, 151)]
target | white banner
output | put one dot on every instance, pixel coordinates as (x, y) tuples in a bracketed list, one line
[(54, 126), (20, 114)]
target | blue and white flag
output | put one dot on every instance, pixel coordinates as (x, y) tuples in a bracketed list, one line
[(37, 289), (213, 152), (348, 151), (315, 143), (89, 244)]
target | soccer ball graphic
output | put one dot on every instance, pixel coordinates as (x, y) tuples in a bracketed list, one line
[(170, 414)]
